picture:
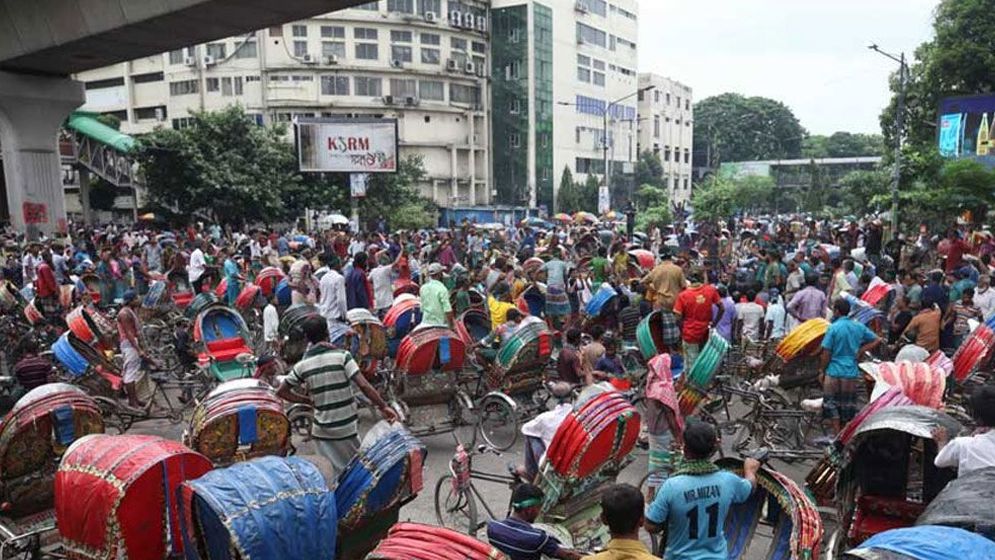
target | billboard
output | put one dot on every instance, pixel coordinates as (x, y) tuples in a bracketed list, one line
[(966, 127), (347, 145)]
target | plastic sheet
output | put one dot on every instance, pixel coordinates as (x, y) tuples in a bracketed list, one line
[(966, 502), (930, 542)]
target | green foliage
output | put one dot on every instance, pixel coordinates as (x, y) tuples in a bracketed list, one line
[(963, 185), (654, 207), (565, 195), (109, 120), (718, 198), (732, 127), (843, 144), (862, 193), (574, 197), (649, 169), (395, 197), (102, 195)]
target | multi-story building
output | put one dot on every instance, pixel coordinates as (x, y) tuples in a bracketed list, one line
[(666, 128), (424, 62), (559, 66)]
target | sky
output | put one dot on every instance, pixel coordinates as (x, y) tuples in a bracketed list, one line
[(809, 54)]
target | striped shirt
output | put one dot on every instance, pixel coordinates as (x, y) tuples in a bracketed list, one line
[(327, 375)]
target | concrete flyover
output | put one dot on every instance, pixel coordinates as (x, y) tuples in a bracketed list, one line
[(42, 42)]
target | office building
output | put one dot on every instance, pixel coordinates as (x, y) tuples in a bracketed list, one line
[(666, 128), (557, 68), (424, 62)]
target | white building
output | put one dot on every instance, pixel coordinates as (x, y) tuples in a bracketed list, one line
[(558, 66), (424, 62), (666, 128)]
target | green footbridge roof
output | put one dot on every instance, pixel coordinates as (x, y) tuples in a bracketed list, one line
[(88, 125)]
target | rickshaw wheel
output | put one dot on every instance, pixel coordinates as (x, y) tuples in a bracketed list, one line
[(455, 509), (498, 423)]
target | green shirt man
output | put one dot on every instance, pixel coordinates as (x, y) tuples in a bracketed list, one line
[(435, 306)]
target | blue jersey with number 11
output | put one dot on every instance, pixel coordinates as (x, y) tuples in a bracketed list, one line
[(694, 509)]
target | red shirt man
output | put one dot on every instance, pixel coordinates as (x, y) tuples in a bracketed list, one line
[(955, 253), (694, 305)]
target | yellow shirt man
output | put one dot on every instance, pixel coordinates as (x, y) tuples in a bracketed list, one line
[(499, 310), (623, 549)]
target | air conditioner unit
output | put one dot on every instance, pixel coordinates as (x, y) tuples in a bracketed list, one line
[(411, 101), (456, 18), (332, 59), (209, 60), (470, 21), (388, 99), (481, 23), (431, 17), (470, 68), (452, 65), (397, 63), (190, 61), (581, 7), (307, 58)]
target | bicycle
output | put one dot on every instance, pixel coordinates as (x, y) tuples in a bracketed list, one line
[(122, 417), (456, 495)]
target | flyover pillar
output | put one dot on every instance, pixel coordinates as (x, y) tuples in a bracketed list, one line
[(32, 108)]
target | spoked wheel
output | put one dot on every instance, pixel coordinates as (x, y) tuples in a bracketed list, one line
[(455, 509), (301, 417), (465, 420), (113, 419), (498, 423)]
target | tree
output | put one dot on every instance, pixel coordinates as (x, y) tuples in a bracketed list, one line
[(565, 195), (732, 127), (863, 192), (223, 166), (395, 196), (957, 61), (654, 207), (649, 169), (843, 144), (718, 198), (102, 195), (963, 185)]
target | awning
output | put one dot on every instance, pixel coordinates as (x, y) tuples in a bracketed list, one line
[(88, 125)]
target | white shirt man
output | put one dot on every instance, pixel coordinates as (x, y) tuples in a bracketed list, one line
[(332, 298), (984, 298), (29, 267), (968, 453), (383, 287), (751, 314), (197, 265), (271, 324)]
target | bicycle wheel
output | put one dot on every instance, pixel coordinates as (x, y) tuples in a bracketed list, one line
[(498, 423), (455, 509)]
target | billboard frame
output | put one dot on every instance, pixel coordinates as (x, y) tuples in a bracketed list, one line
[(346, 120)]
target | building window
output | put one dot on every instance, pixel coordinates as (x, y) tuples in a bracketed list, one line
[(302, 78), (583, 74), (239, 89), (687, 156), (400, 36), (480, 62), (366, 51), (434, 6), (599, 79), (253, 78), (656, 96), (400, 53), (211, 84), (515, 140), (279, 78), (246, 50), (460, 58), (299, 30), (432, 90), (513, 70), (333, 48), (402, 6), (367, 33), (226, 89), (583, 60), (598, 64), (599, 7), (334, 85), (479, 47), (625, 43), (430, 39), (678, 101), (687, 104), (687, 184), (667, 102), (147, 78), (181, 123), (591, 35), (666, 153), (369, 6), (184, 87), (656, 126), (515, 35), (403, 88), (371, 87), (459, 93), (457, 44), (217, 50), (148, 113), (515, 106), (430, 56), (176, 57), (332, 32)]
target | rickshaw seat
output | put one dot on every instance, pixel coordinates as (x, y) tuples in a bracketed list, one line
[(227, 349), (876, 514)]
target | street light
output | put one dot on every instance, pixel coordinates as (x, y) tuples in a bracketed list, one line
[(896, 174)]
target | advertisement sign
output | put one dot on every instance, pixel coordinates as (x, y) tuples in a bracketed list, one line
[(604, 199), (347, 145), (966, 127)]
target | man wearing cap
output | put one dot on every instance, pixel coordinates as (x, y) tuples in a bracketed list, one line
[(129, 329), (518, 538), (435, 306)]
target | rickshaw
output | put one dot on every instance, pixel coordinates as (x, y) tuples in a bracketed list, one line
[(226, 342), (237, 421), (414, 541), (93, 285), (268, 508), (400, 319), (886, 475), (88, 367), (796, 358), (269, 279), (91, 327), (291, 331), (33, 438), (180, 290), (924, 542), (649, 335), (424, 388), (401, 287), (115, 496), (965, 503), (369, 343), (473, 326), (199, 303), (385, 475), (641, 261), (478, 301), (602, 306), (532, 301)]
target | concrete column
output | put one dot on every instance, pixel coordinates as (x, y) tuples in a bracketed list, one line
[(472, 160), (32, 108), (84, 195), (454, 176)]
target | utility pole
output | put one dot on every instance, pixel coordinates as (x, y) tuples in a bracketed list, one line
[(896, 173)]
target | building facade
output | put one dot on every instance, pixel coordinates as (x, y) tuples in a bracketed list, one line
[(561, 66), (666, 128), (424, 62)]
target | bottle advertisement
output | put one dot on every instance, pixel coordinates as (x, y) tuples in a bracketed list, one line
[(966, 128)]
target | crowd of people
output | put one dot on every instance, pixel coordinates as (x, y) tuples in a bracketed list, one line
[(750, 281)]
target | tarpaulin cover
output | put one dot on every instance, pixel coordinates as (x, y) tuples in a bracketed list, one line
[(971, 353), (271, 508), (603, 429), (600, 299), (156, 295), (73, 361), (643, 258), (891, 398), (414, 541), (283, 292), (238, 420), (379, 476), (200, 303), (114, 494), (931, 542), (918, 421), (532, 302), (33, 437), (247, 296), (430, 348), (967, 502), (922, 383), (473, 326)]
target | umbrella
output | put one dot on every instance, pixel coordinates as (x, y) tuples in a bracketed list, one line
[(535, 222), (150, 216), (581, 217), (561, 217)]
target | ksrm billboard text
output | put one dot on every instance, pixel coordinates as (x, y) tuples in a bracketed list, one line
[(347, 145)]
